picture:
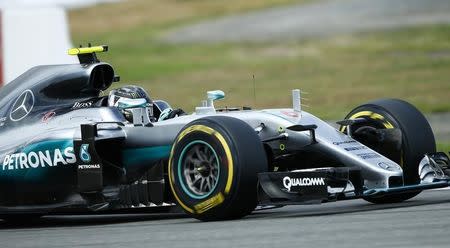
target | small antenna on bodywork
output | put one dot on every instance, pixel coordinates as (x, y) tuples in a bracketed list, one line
[(254, 91), (296, 101)]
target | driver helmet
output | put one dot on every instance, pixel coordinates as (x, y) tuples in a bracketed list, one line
[(130, 97)]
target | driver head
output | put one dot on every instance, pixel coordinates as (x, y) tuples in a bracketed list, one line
[(131, 97)]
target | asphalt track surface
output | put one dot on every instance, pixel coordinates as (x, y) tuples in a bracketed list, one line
[(423, 221), (316, 19)]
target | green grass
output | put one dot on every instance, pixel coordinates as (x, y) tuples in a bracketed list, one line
[(443, 147), (152, 14), (339, 72)]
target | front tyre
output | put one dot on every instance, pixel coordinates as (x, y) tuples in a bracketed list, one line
[(417, 138), (213, 168)]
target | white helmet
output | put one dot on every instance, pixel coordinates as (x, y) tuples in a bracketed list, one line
[(130, 98)]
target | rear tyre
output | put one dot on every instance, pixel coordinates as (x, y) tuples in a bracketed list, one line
[(213, 168), (417, 138)]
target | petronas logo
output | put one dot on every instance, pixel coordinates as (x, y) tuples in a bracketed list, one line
[(84, 153)]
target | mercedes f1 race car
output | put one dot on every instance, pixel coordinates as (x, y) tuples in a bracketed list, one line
[(65, 149)]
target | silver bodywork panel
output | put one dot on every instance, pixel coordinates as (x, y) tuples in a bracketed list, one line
[(330, 142)]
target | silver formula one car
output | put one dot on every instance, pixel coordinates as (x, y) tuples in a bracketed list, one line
[(65, 149)]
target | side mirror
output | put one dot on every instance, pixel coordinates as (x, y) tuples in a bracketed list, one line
[(208, 105), (215, 95)]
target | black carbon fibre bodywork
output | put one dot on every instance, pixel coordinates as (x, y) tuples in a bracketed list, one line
[(54, 87)]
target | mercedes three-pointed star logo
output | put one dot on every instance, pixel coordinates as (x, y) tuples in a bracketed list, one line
[(22, 106)]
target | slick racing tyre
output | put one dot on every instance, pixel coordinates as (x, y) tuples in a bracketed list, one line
[(213, 168), (414, 139)]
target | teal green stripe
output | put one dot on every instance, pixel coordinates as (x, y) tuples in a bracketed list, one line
[(143, 155), (48, 145), (39, 173)]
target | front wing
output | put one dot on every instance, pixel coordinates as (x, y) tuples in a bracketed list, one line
[(320, 185)]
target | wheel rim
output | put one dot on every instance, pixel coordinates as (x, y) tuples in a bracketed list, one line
[(378, 121), (198, 169)]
